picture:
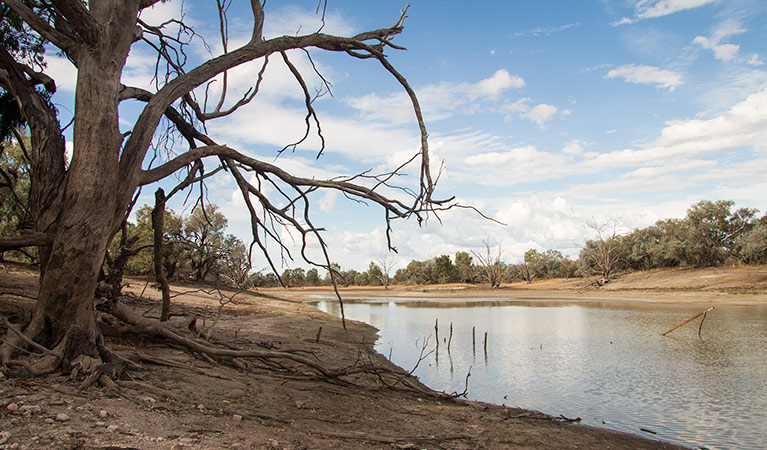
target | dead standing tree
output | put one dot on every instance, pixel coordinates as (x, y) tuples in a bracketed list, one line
[(605, 255), (490, 268), (78, 209)]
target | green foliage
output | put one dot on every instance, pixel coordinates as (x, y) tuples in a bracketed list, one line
[(444, 271), (463, 265), (195, 248), (18, 39), (375, 275), (312, 277), (753, 243), (712, 233), (14, 196)]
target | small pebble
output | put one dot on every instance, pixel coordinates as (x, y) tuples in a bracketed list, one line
[(112, 428), (61, 417), (12, 407), (237, 418), (103, 414)]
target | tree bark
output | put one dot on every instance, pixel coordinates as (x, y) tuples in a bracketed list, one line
[(64, 319), (158, 225)]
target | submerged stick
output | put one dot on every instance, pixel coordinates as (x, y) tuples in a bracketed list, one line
[(688, 321), (450, 339), (700, 327)]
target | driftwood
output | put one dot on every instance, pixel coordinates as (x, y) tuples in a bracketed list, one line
[(690, 320)]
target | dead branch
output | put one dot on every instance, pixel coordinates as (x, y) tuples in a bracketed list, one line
[(138, 385), (690, 320), (31, 239)]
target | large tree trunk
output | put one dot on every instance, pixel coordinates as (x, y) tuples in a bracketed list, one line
[(65, 308), (64, 319)]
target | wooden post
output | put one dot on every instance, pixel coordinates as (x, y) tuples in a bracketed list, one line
[(485, 344), (450, 339), (474, 339), (688, 321)]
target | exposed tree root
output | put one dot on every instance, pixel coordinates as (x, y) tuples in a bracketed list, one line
[(274, 359), (108, 369), (395, 440)]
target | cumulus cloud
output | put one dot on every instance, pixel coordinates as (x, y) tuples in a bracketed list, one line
[(632, 73), (493, 86), (540, 114)]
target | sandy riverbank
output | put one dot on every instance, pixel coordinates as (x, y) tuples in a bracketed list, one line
[(743, 285), (185, 401)]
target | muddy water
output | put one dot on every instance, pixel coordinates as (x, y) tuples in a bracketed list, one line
[(606, 363)]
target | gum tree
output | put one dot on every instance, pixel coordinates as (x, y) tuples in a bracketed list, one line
[(77, 208)]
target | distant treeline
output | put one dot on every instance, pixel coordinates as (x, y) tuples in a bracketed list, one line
[(712, 233)]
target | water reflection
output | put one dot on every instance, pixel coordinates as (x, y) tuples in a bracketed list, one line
[(601, 361)]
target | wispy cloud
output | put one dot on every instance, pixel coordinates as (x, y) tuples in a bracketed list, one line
[(438, 101), (649, 9), (547, 31), (632, 73), (722, 51)]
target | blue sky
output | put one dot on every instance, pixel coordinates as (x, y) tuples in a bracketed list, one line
[(547, 115)]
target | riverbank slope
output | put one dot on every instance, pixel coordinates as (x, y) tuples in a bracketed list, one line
[(741, 285), (179, 400)]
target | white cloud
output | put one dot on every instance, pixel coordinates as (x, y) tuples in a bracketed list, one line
[(519, 155), (540, 114), (755, 61), (328, 201), (493, 86), (438, 101), (622, 21), (726, 52), (63, 72), (723, 52), (646, 9), (632, 73), (742, 127), (650, 9), (294, 20), (162, 12)]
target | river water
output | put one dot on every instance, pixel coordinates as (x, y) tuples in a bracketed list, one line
[(605, 362)]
